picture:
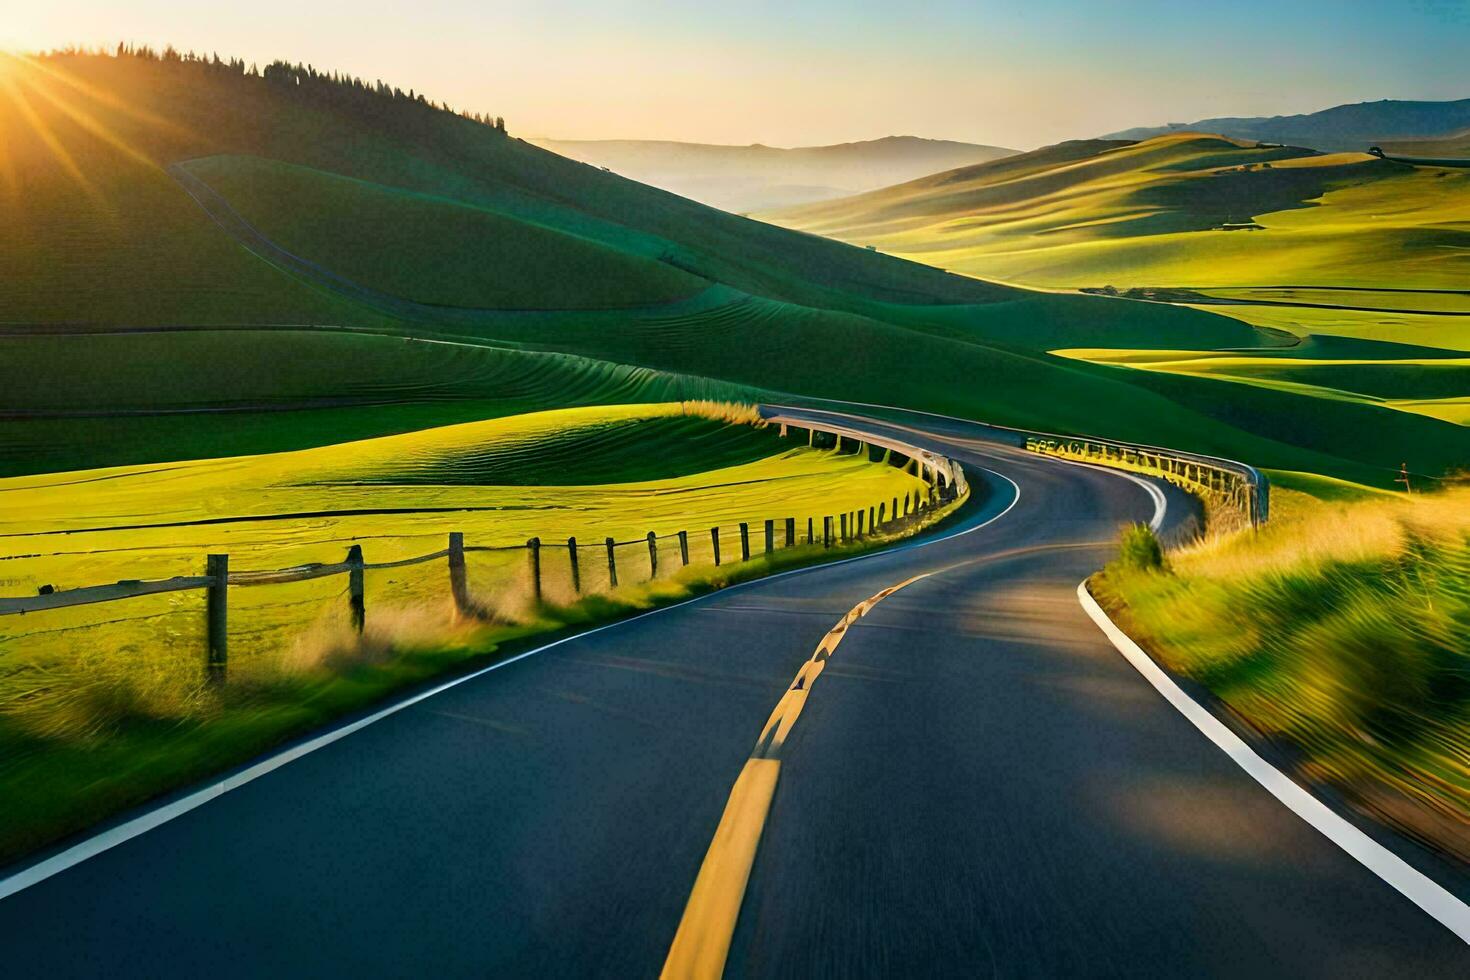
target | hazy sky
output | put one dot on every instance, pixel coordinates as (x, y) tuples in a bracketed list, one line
[(802, 72)]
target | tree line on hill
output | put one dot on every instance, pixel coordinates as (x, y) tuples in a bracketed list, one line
[(332, 89)]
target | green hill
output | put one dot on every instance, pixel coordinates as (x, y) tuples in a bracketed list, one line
[(212, 262), (1188, 210), (1357, 259)]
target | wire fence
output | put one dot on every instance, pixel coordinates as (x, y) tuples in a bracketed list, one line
[(252, 623)]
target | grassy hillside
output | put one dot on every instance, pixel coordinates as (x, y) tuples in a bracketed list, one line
[(1355, 264), (173, 193), (103, 706), (750, 178), (1187, 210), (1338, 630), (1451, 147)]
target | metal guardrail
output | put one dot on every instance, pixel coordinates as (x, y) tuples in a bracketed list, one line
[(1235, 488), (1241, 487), (945, 478)]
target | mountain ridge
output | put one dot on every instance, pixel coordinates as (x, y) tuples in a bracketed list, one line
[(1349, 126), (757, 176)]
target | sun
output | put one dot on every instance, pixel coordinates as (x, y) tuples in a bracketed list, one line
[(55, 112)]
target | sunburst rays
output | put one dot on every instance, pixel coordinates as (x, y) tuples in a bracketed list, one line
[(60, 112)]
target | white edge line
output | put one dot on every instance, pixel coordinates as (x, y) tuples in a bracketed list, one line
[(1155, 493), (144, 822), (1417, 887)]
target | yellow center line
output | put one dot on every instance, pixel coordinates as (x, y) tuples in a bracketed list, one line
[(702, 943)]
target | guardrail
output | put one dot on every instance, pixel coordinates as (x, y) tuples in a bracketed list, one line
[(1237, 489), (945, 479), (1238, 493)]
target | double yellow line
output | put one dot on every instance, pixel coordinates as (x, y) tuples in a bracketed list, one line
[(702, 943)]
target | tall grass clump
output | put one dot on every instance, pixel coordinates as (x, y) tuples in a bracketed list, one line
[(1342, 629), (735, 413), (1139, 549)]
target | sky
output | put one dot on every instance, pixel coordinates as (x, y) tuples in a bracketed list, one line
[(1015, 73)]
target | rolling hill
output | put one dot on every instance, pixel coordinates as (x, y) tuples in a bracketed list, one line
[(1356, 126), (1455, 146), (1362, 260), (1188, 209), (751, 178), (207, 261)]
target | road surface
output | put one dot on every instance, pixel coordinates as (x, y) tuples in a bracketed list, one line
[(977, 784)]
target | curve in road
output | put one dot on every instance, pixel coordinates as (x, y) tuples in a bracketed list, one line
[(980, 785)]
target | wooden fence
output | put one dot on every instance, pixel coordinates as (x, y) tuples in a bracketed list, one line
[(629, 561)]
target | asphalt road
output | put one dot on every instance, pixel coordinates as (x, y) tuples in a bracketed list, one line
[(978, 785)]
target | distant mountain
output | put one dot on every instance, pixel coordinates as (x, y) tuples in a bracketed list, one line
[(1345, 127), (751, 178)]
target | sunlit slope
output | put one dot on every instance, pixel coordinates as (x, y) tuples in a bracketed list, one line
[(433, 249), (96, 232), (401, 218), (88, 138), (1182, 210), (591, 472), (1435, 387), (80, 401)]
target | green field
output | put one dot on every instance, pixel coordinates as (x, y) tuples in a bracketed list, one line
[(417, 222), (104, 705)]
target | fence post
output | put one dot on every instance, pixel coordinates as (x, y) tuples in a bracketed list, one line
[(744, 541), (612, 564), (859, 522), (576, 570), (534, 544), (652, 555), (714, 536), (356, 600), (810, 538), (684, 547), (458, 587), (790, 531), (827, 531), (217, 567), (770, 536)]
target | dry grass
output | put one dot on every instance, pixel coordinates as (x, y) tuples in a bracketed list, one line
[(735, 413), (1341, 629), (1305, 533)]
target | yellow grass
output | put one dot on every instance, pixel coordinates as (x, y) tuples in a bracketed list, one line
[(291, 509), (1339, 629)]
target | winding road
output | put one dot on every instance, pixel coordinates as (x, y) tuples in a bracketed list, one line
[(940, 766)]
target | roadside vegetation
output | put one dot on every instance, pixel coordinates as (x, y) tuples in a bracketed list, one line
[(1340, 631), (107, 705)]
